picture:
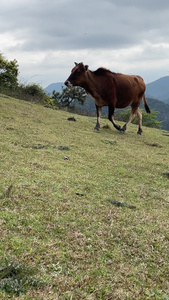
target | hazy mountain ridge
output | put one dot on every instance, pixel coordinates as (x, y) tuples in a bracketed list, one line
[(159, 89), (54, 87)]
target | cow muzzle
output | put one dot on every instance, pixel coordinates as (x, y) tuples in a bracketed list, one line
[(68, 84)]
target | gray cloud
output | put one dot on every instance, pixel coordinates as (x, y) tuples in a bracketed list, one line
[(75, 26), (91, 24)]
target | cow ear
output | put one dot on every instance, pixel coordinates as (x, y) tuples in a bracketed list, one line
[(76, 63), (86, 67)]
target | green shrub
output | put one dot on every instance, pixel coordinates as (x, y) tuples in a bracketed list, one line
[(16, 279), (34, 93)]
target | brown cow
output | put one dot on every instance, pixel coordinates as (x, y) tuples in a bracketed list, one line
[(111, 89)]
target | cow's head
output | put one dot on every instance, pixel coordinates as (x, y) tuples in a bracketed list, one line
[(77, 76)]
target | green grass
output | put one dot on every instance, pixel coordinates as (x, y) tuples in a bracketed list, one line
[(59, 181)]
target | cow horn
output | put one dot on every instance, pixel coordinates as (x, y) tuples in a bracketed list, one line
[(76, 63), (86, 67)]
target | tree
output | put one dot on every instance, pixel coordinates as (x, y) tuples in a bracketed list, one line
[(69, 96), (9, 71)]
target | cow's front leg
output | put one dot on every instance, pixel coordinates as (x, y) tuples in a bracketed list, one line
[(111, 117), (98, 112)]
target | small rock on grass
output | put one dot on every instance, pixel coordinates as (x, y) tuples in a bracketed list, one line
[(121, 204), (66, 158), (166, 174)]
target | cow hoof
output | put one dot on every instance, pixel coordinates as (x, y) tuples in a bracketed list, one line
[(96, 129), (139, 131), (118, 127), (123, 129)]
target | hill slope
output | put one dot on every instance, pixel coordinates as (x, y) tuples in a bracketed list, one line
[(86, 212)]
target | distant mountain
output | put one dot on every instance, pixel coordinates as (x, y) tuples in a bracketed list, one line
[(159, 89), (54, 87)]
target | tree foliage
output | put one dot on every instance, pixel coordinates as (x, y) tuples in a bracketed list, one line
[(9, 71), (69, 96)]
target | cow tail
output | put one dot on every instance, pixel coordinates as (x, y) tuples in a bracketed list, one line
[(146, 105)]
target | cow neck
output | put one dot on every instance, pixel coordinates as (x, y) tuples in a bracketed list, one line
[(87, 85)]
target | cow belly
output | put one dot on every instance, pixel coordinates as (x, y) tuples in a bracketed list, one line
[(127, 99), (122, 104)]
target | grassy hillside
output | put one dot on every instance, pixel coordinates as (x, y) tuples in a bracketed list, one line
[(83, 215)]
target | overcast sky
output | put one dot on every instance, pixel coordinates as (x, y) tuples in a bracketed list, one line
[(46, 37)]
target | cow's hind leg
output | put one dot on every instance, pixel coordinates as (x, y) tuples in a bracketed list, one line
[(111, 117), (139, 114), (135, 111), (132, 116)]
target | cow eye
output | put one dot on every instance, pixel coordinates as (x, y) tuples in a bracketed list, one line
[(77, 72)]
